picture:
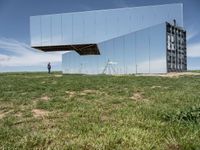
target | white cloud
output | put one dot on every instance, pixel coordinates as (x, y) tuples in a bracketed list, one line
[(157, 65), (23, 55), (191, 33), (193, 50)]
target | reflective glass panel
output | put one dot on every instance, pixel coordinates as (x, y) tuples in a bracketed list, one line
[(35, 27), (142, 51), (89, 27), (158, 49), (56, 30), (46, 30), (78, 28), (101, 26), (67, 29)]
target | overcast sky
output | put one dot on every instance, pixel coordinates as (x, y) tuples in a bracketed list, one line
[(16, 54)]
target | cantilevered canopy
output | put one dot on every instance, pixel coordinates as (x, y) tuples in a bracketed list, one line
[(82, 49)]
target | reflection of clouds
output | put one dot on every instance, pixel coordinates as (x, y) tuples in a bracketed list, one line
[(193, 50), (192, 33), (79, 27), (156, 66), (112, 63), (73, 63), (36, 40), (44, 41), (23, 55)]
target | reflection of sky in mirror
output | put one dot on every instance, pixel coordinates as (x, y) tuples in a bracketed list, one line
[(98, 26), (132, 51), (137, 52)]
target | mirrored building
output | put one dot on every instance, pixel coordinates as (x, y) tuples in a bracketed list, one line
[(148, 39)]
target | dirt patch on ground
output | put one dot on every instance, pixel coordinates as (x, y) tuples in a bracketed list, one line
[(40, 113), (104, 118), (71, 94), (45, 98), (1, 115), (43, 82), (58, 75), (82, 93), (86, 92), (90, 91), (155, 87), (173, 147), (138, 96), (158, 87), (24, 93)]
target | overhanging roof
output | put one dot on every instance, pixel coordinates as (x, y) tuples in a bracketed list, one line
[(82, 49)]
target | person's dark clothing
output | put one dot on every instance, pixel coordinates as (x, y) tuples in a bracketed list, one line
[(49, 67)]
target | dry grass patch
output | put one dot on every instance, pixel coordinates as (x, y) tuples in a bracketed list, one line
[(155, 87), (58, 75), (82, 93), (4, 113), (18, 114), (172, 74), (36, 77), (104, 118), (86, 92), (71, 94), (54, 82), (178, 74), (45, 98), (24, 93), (138, 96), (40, 113), (159, 87), (173, 147), (43, 82)]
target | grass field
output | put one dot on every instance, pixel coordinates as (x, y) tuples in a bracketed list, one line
[(41, 111)]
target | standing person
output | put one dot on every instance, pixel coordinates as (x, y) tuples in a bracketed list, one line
[(49, 68)]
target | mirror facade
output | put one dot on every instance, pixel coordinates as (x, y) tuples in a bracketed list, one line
[(130, 40), (137, 52), (99, 25)]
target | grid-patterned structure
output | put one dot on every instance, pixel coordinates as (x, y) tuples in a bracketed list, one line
[(176, 48)]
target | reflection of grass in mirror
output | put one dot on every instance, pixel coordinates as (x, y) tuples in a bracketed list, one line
[(43, 111)]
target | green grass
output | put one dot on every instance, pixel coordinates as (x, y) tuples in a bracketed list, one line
[(197, 71), (41, 111)]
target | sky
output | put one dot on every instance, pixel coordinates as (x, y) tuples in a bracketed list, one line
[(17, 55)]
